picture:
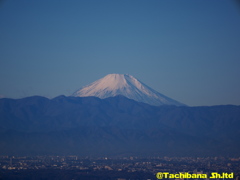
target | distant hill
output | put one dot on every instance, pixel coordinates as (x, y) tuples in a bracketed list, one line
[(89, 126)]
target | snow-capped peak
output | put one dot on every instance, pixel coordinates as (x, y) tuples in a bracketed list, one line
[(123, 84)]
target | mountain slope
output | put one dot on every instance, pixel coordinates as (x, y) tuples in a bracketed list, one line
[(126, 85)]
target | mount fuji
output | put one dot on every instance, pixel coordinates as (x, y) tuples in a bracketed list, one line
[(126, 85)]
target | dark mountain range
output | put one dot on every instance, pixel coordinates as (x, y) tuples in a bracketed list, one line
[(90, 126)]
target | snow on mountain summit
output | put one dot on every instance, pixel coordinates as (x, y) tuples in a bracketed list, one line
[(123, 84)]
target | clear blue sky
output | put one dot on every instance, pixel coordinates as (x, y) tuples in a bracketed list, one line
[(187, 50)]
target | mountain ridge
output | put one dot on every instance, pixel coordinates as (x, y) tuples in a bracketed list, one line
[(116, 125)]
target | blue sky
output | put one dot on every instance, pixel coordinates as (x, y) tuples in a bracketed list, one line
[(187, 50)]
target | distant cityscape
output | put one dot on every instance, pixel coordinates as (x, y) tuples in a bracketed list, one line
[(122, 168)]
